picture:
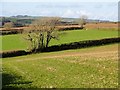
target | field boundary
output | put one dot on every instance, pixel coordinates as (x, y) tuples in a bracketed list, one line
[(13, 53), (73, 45), (82, 44)]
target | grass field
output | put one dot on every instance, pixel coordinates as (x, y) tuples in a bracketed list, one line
[(95, 67), (13, 42)]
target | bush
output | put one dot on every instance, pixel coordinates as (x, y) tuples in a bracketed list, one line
[(13, 53), (74, 45), (70, 28), (82, 44), (11, 31)]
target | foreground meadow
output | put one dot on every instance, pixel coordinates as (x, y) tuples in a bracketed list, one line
[(95, 67), (16, 42)]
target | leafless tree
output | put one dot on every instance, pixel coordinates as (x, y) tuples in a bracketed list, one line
[(41, 31), (82, 20)]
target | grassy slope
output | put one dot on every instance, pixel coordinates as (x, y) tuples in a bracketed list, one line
[(77, 35), (48, 70), (13, 42)]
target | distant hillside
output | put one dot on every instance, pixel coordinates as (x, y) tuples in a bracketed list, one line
[(65, 19), (21, 20)]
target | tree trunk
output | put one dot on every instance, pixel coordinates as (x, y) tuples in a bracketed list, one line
[(48, 39)]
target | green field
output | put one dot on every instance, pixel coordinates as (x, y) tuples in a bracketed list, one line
[(95, 67), (15, 42)]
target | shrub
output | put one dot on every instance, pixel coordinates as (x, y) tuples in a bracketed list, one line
[(13, 53)]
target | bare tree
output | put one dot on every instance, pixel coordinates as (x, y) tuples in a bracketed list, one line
[(8, 25), (82, 20), (41, 31)]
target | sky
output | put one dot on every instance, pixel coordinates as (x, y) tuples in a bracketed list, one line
[(93, 9), (59, 0)]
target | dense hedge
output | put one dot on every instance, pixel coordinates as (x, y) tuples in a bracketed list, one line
[(74, 45), (70, 28), (18, 31), (13, 31), (13, 53), (8, 32), (82, 44)]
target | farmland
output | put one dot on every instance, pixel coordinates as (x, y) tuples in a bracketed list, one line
[(16, 42), (90, 67), (102, 25), (59, 44), (55, 44), (95, 67)]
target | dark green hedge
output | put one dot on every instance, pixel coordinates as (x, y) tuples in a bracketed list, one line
[(13, 53), (82, 44), (70, 28), (7, 32), (74, 45)]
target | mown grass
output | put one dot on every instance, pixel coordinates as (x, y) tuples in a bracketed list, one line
[(44, 70), (81, 35), (13, 42)]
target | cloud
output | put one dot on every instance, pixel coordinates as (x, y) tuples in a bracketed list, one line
[(69, 13), (75, 13), (98, 6), (60, 0), (83, 12), (70, 10)]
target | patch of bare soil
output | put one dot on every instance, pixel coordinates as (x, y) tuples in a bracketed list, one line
[(105, 54), (110, 52), (101, 25)]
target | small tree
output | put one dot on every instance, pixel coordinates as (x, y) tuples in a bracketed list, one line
[(8, 25), (82, 21), (41, 31)]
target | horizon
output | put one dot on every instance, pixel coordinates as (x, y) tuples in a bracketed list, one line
[(60, 17), (93, 10)]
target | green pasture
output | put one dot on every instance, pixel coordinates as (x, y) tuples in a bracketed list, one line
[(15, 42), (44, 70)]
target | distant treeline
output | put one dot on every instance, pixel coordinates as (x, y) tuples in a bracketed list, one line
[(20, 21), (16, 21)]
